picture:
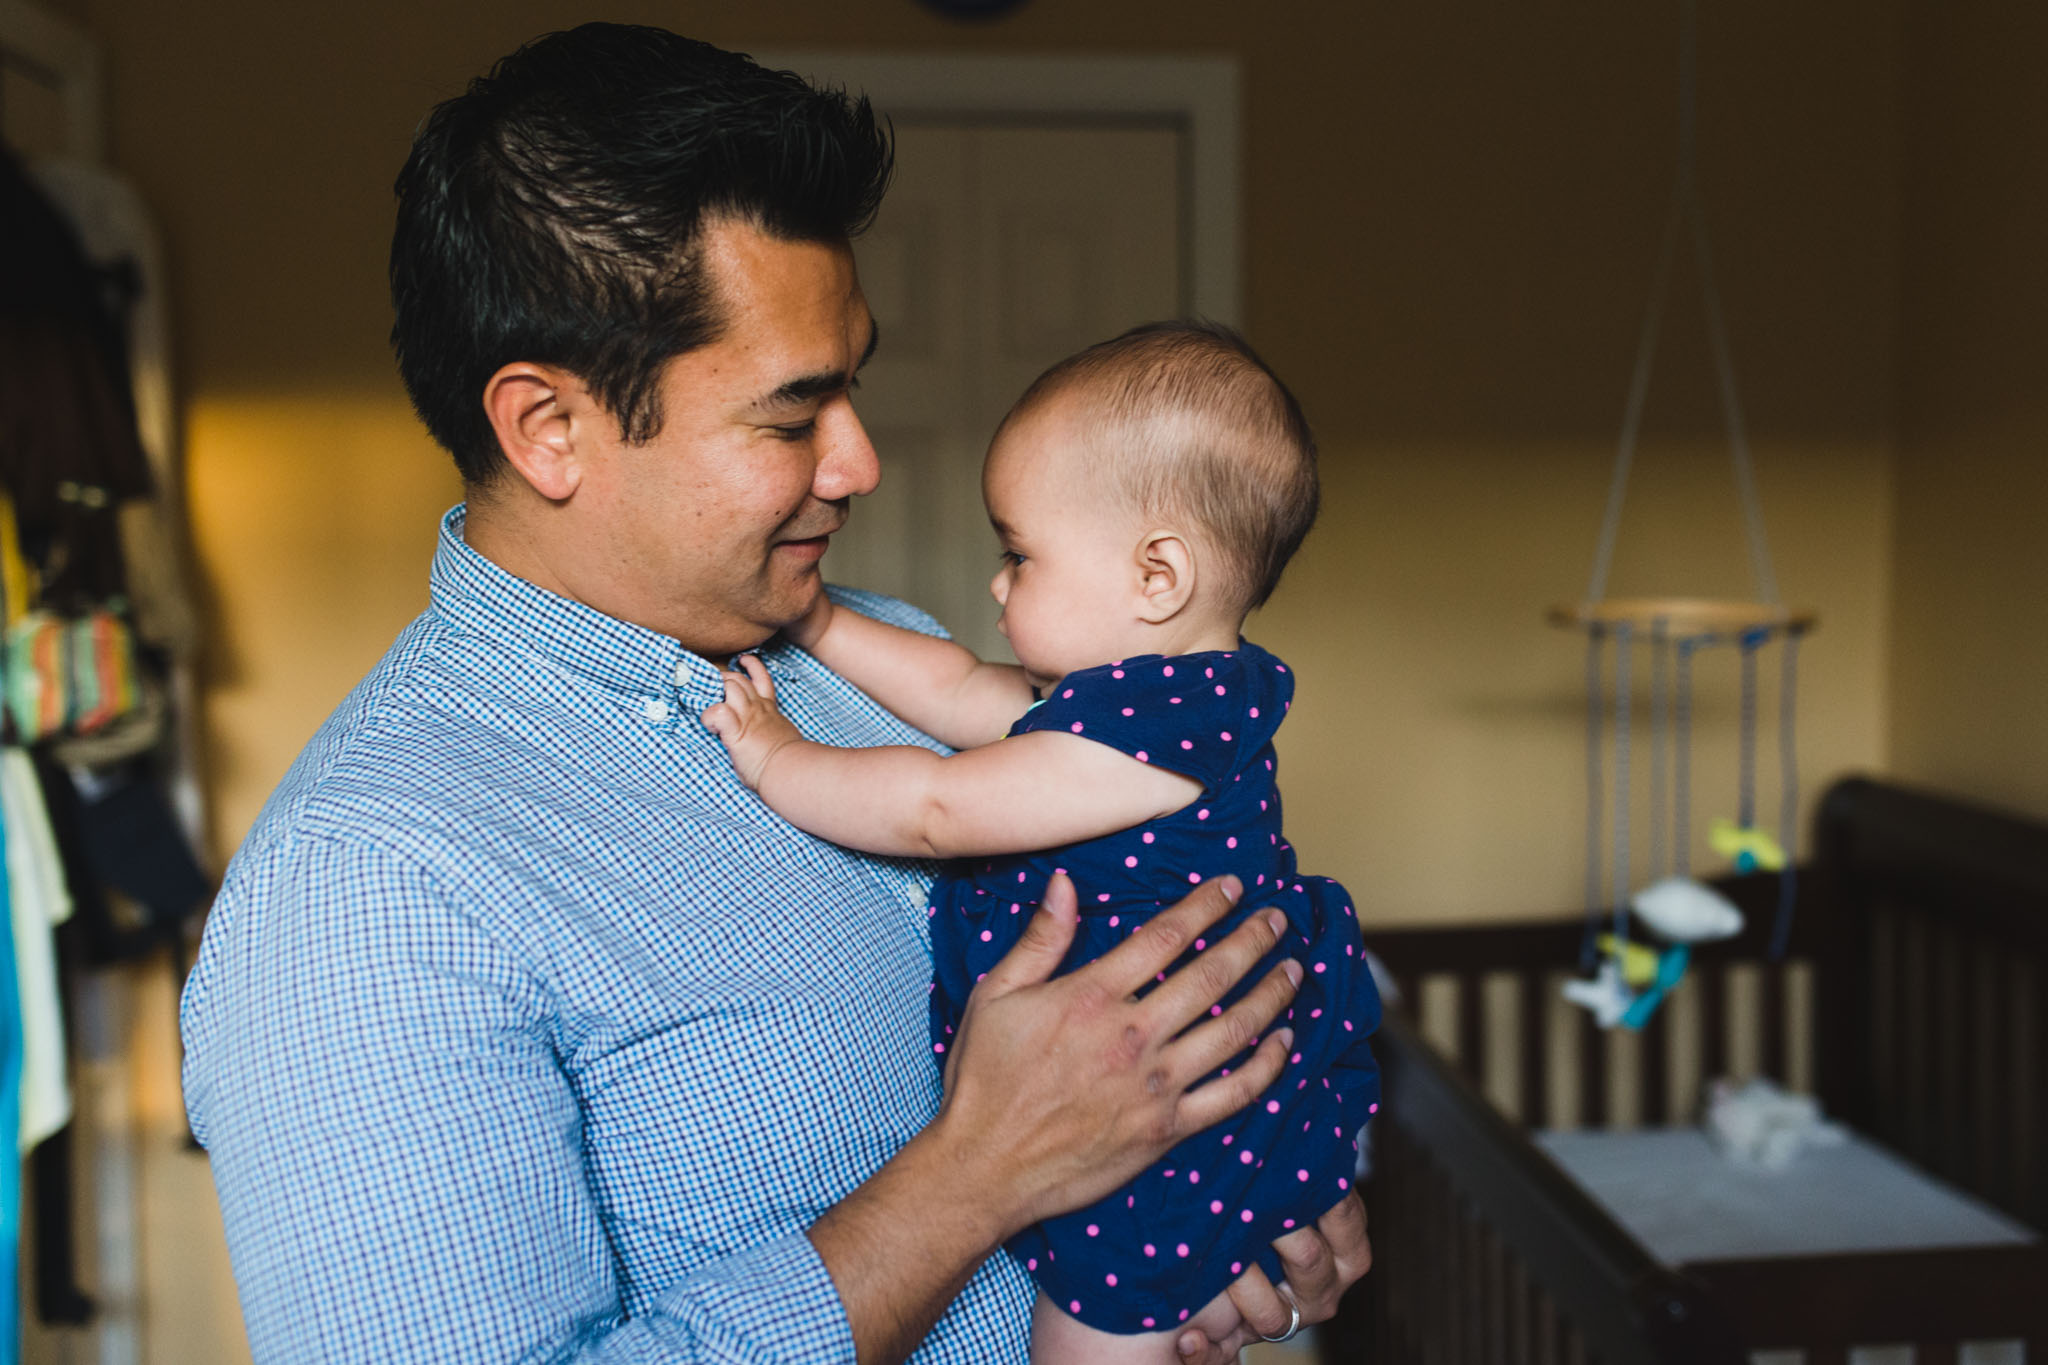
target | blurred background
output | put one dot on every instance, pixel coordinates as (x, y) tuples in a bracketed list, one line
[(1438, 223)]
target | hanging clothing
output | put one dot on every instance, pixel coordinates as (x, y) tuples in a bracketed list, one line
[(38, 902)]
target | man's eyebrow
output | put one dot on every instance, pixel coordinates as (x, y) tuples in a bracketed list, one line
[(822, 383)]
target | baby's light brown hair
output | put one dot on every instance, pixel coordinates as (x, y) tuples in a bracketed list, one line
[(1186, 421)]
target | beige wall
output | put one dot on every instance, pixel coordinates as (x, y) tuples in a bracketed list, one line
[(1450, 219), (1970, 649)]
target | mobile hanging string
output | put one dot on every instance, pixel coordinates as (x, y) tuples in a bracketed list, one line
[(1788, 795), (1588, 944)]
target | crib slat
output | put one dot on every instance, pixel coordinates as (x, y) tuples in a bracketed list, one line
[(1771, 1059), (1653, 1076), (1935, 1353), (1953, 1062), (1713, 987), (1535, 1056), (1472, 1027), (1549, 1333), (1592, 1073), (1829, 1353)]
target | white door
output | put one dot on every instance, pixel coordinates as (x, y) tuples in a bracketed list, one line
[(1001, 248)]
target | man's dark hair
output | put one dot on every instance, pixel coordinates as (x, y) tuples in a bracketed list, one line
[(553, 213)]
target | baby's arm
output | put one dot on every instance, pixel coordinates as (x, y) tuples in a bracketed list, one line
[(936, 685), (1035, 791)]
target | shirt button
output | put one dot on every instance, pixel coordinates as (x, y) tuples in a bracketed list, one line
[(682, 675), (918, 898), (654, 708)]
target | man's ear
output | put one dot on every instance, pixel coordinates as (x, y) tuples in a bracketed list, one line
[(1166, 575), (541, 417)]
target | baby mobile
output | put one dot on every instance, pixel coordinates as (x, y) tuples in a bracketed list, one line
[(1629, 980)]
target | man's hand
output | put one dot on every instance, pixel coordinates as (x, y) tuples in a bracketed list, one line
[(1321, 1262), (1063, 1089), (748, 720)]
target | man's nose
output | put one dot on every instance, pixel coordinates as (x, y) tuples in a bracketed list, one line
[(847, 464)]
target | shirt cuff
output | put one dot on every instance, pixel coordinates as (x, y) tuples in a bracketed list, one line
[(774, 1302)]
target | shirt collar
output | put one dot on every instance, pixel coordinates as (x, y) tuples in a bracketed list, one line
[(476, 595)]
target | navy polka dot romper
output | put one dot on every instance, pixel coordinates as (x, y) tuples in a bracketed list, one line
[(1154, 1252)]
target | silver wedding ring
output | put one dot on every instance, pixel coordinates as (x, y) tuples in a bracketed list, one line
[(1293, 1326)]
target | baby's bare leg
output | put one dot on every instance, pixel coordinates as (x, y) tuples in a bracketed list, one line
[(1058, 1339)]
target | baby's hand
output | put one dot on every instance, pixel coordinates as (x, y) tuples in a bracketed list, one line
[(804, 634), (749, 722)]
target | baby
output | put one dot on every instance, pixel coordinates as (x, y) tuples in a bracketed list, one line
[(1147, 494)]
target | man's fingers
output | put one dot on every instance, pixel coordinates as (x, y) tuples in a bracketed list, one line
[(1343, 1227), (1139, 959), (1214, 1042), (1264, 1308), (1044, 942), (1311, 1270), (1219, 1099), (1195, 989)]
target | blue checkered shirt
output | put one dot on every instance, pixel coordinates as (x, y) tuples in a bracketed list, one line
[(523, 1032)]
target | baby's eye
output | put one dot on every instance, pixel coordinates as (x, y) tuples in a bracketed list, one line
[(1010, 557)]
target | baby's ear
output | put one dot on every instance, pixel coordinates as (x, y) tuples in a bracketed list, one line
[(1166, 575)]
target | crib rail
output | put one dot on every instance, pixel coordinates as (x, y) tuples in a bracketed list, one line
[(1487, 1252)]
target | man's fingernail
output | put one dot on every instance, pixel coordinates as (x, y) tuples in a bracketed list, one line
[(1276, 921), (1293, 970), (1286, 1037), (1232, 888)]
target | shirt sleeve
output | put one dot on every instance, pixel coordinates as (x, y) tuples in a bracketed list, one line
[(1159, 710), (397, 1150)]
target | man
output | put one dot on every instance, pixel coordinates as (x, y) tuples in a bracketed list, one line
[(521, 1031)]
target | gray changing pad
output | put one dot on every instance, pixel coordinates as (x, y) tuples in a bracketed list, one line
[(1677, 1195)]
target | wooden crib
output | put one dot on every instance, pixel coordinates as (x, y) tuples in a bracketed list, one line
[(1912, 1000)]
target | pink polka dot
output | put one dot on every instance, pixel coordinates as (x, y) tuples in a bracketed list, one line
[(1174, 700), (1031, 1265), (1195, 878), (1296, 1058), (1148, 836), (1130, 860), (1149, 1322), (1113, 919), (1245, 1217), (1219, 689), (1109, 1280), (1372, 1109), (1215, 1206), (1075, 727), (1226, 736), (1229, 1138), (1182, 1249), (1348, 1028), (986, 936), (1117, 673), (1183, 1315), (1301, 1175), (1068, 693), (1144, 757), (1246, 1158), (1194, 1177), (1151, 1250), (1315, 1014), (1214, 1011), (1103, 896), (938, 1047), (1094, 1231), (1129, 712), (1342, 1183), (1169, 670), (1237, 1267), (1202, 814), (1231, 842), (1255, 713), (1074, 1306), (1272, 1106), (1187, 744), (1321, 968), (1200, 944), (1288, 1224)]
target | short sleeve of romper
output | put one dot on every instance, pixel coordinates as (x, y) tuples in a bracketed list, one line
[(1146, 1256), (1165, 711)]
